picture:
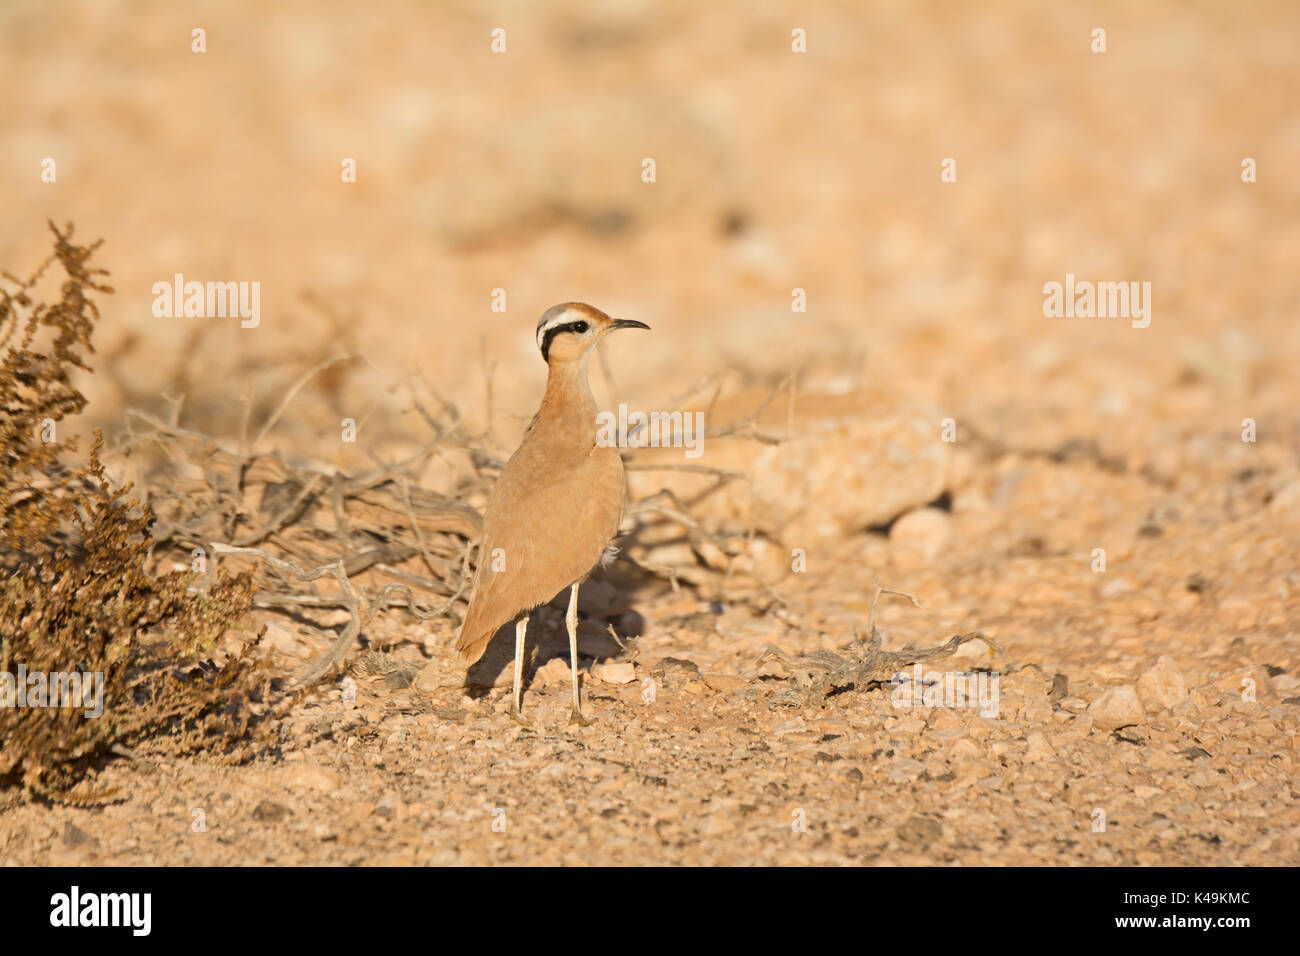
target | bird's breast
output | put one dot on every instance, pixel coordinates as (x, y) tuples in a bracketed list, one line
[(558, 501)]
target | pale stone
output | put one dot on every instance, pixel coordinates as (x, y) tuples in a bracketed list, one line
[(723, 682), (614, 672), (1117, 707), (1038, 750), (554, 673), (926, 530), (1286, 685), (431, 677), (976, 650), (1163, 683), (309, 777)]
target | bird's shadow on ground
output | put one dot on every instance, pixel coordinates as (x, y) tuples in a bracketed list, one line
[(605, 601)]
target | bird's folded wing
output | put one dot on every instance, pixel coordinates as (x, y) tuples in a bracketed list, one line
[(531, 553)]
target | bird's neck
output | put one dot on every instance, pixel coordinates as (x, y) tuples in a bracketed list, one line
[(568, 405)]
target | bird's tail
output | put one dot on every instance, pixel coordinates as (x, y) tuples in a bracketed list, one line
[(474, 635), (472, 642)]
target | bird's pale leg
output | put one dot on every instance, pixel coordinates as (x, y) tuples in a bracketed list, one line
[(521, 629), (571, 622)]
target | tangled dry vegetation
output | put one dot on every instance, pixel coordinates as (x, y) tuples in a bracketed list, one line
[(75, 593)]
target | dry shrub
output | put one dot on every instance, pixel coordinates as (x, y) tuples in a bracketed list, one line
[(74, 592)]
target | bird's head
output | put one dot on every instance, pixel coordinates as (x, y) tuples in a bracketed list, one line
[(569, 331)]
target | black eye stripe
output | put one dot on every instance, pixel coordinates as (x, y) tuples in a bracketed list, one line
[(551, 333)]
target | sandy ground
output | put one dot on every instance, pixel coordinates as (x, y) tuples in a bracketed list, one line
[(1148, 709)]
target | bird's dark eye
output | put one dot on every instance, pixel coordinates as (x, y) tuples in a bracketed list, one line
[(580, 327)]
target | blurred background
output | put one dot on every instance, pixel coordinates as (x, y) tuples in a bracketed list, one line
[(775, 170)]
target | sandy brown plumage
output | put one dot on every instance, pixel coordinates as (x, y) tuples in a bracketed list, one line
[(579, 489), (560, 497)]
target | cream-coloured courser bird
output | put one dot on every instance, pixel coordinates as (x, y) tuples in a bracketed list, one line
[(557, 504)]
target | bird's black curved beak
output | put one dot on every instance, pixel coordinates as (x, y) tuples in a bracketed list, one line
[(628, 324)]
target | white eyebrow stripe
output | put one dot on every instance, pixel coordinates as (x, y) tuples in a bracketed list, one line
[(562, 319)]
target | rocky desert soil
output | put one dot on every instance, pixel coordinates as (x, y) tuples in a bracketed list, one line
[(1116, 507)]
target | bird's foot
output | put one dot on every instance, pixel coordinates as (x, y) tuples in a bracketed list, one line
[(517, 716), (582, 721)]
